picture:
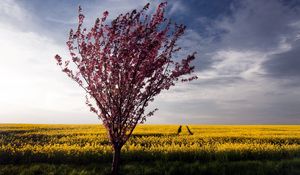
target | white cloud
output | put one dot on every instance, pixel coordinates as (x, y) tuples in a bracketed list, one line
[(234, 84), (177, 7), (230, 83), (33, 89), (32, 86), (9, 8)]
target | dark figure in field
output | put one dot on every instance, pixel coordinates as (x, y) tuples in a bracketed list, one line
[(188, 129), (179, 130), (190, 132)]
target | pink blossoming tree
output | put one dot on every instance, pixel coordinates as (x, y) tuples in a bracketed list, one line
[(123, 66)]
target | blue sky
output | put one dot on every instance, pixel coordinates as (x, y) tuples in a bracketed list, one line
[(248, 61)]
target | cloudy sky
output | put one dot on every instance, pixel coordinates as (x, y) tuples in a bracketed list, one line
[(248, 61)]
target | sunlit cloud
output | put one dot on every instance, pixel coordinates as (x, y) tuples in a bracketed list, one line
[(247, 62)]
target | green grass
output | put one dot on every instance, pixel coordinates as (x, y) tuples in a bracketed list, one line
[(283, 167)]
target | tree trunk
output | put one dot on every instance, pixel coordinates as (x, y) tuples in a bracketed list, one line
[(116, 161)]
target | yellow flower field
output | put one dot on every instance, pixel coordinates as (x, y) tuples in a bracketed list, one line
[(27, 143)]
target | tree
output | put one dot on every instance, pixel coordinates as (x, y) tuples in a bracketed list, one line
[(123, 66)]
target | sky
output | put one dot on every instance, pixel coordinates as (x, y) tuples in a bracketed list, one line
[(247, 62)]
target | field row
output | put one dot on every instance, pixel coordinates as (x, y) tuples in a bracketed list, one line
[(89, 143)]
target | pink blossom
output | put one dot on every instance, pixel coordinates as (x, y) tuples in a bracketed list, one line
[(124, 65)]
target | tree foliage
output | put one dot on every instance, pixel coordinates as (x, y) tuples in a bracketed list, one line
[(123, 65)]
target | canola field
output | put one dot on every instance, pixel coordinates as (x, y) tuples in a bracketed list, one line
[(86, 144), (89, 143)]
